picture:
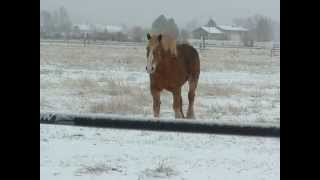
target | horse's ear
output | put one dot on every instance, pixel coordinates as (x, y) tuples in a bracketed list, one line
[(148, 36), (159, 37)]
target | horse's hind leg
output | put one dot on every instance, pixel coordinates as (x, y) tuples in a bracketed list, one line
[(191, 94), (156, 103), (181, 105), (177, 103)]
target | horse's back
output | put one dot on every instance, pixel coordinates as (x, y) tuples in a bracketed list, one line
[(189, 55)]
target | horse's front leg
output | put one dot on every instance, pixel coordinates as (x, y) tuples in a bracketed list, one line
[(156, 102), (177, 103)]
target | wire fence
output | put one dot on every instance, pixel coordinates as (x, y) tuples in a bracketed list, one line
[(195, 44)]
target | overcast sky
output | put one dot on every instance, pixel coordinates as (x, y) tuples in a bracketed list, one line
[(143, 12)]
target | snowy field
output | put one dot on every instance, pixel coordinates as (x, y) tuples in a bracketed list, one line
[(234, 85), (90, 153)]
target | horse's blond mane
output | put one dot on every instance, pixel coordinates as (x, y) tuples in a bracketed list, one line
[(169, 44)]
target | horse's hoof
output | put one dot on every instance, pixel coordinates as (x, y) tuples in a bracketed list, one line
[(191, 117)]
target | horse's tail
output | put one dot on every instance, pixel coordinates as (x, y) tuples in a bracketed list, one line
[(195, 73)]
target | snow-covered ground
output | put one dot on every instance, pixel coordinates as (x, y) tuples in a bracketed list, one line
[(92, 153), (234, 85)]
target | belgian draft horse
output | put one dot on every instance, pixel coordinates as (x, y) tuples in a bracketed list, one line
[(170, 71)]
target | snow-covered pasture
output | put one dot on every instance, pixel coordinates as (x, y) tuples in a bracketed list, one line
[(234, 85)]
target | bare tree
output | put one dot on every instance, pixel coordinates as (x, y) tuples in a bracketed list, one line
[(55, 23), (211, 23), (192, 25), (260, 27), (64, 22), (164, 25), (137, 34), (184, 35), (47, 23)]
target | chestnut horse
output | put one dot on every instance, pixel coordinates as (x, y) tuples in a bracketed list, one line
[(170, 72)]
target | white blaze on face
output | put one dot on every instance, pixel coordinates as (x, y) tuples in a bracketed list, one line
[(151, 66)]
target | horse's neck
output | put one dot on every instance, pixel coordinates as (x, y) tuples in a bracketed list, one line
[(168, 64)]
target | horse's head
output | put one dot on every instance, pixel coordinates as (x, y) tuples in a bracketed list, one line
[(154, 49)]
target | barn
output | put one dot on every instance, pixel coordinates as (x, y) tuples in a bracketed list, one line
[(208, 33), (219, 32), (233, 33)]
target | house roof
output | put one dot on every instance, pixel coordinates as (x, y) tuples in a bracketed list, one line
[(109, 28), (99, 27), (211, 30), (84, 27), (217, 30), (112, 28), (232, 28)]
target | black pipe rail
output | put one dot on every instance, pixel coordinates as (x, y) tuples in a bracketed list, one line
[(173, 125)]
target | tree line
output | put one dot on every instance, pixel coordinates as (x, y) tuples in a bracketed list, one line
[(55, 23), (260, 28), (58, 24)]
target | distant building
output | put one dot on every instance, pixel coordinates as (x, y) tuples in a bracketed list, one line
[(219, 32), (233, 32), (83, 28), (99, 32), (108, 28), (208, 33), (90, 28)]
